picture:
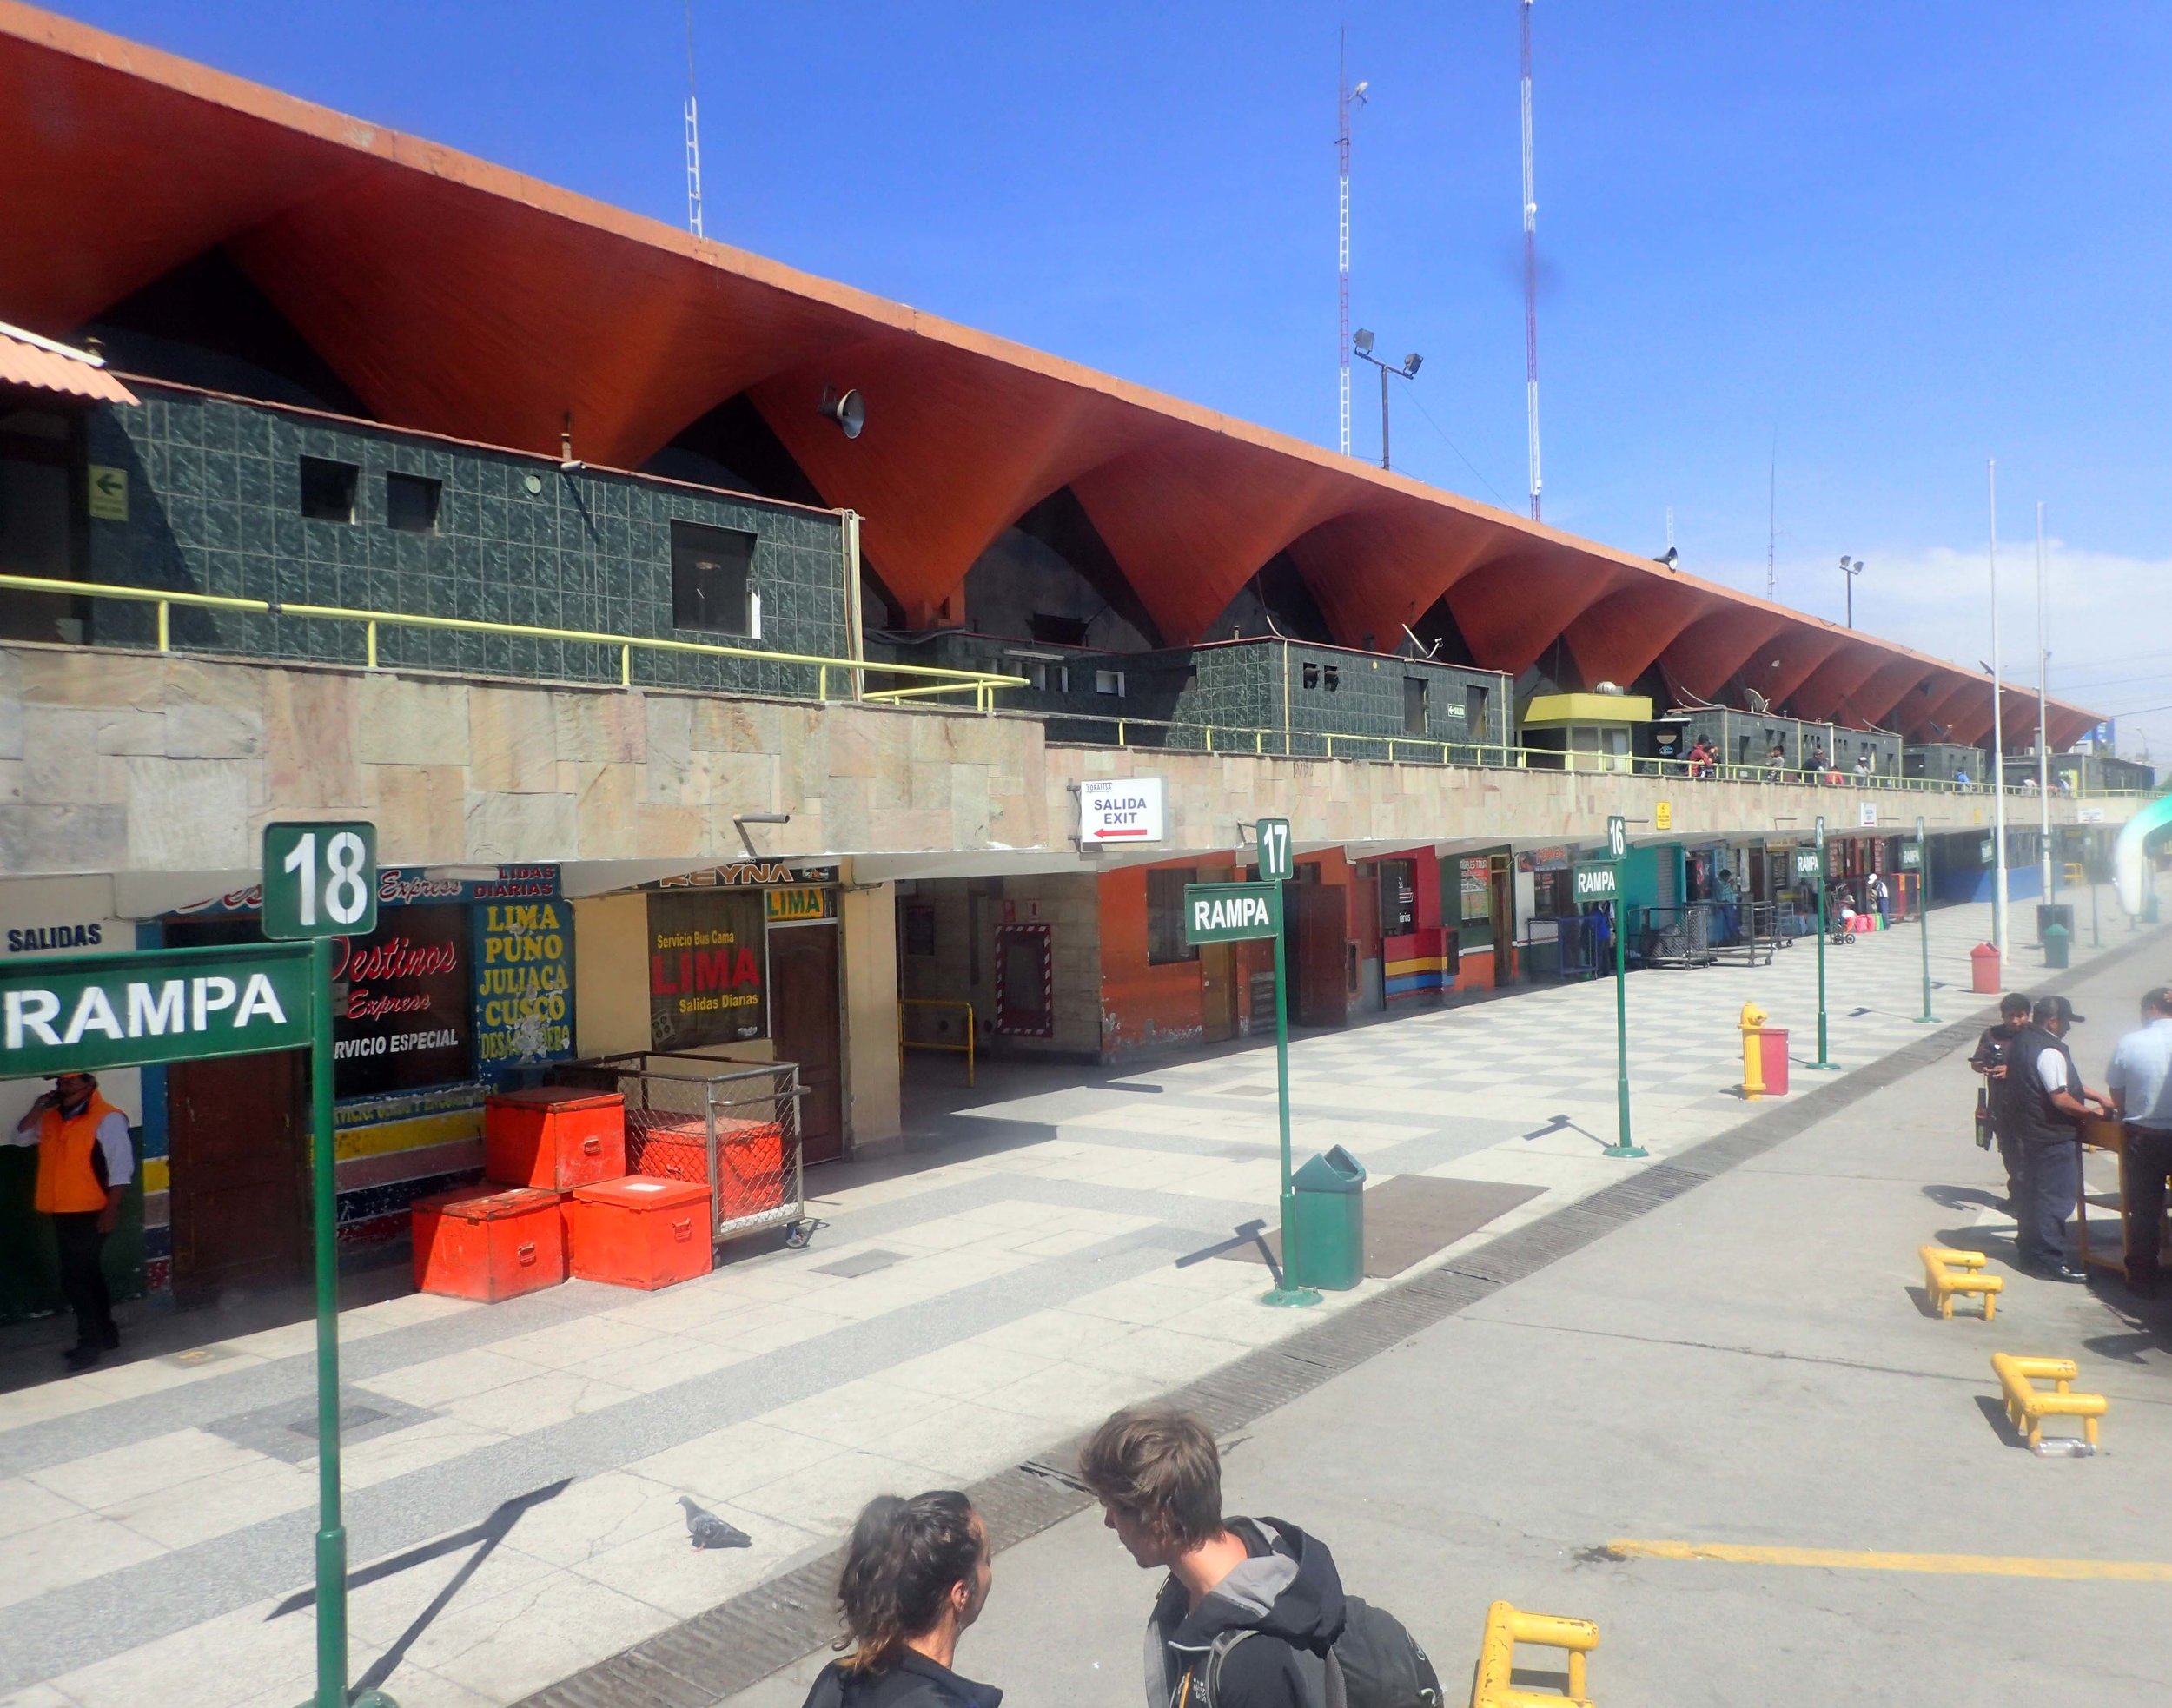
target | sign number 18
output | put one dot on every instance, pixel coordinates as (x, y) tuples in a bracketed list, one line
[(320, 880)]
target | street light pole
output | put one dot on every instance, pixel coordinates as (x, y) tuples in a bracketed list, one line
[(1849, 568), (1361, 348), (1999, 750), (2047, 870)]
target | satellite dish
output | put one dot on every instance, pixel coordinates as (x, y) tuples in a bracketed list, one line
[(848, 411), (1358, 94), (1759, 704)]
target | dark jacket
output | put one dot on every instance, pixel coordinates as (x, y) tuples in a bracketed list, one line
[(1991, 1050), (2033, 1118), (1287, 1590), (913, 1681)]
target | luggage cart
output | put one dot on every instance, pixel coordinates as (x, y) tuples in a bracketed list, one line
[(690, 1115)]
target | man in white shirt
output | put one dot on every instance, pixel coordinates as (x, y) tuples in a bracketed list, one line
[(2140, 1081), (2049, 1107)]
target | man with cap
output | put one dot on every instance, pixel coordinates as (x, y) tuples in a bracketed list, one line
[(2049, 1102), (83, 1162), (2139, 1080)]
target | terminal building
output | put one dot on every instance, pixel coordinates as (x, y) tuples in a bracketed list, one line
[(722, 651)]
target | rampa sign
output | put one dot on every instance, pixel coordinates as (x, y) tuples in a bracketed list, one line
[(79, 1014), (1128, 810)]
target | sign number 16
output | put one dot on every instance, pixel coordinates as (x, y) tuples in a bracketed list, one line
[(320, 880)]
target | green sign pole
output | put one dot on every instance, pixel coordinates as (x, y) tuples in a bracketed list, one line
[(1602, 881), (1923, 909), (1823, 1062)]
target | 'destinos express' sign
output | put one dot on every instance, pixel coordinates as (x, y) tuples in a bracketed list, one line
[(1128, 810)]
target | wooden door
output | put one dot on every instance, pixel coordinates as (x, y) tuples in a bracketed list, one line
[(1218, 990), (236, 1143), (1317, 930), (806, 1028)]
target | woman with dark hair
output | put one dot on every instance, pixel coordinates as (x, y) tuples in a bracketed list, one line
[(916, 1575)]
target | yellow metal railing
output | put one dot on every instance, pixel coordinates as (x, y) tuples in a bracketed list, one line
[(905, 1043), (981, 683)]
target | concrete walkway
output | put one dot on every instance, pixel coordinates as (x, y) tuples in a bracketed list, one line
[(513, 1470), (1748, 1367)]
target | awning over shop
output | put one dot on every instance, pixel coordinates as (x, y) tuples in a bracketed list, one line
[(41, 365)]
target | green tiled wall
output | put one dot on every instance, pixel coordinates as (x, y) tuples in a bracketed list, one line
[(215, 506)]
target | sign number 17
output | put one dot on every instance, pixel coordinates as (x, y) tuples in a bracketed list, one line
[(320, 880), (1275, 863)]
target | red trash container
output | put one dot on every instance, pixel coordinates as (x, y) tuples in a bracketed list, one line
[(641, 1232), (750, 1160), (482, 1242), (1772, 1060), (1983, 970), (559, 1136)]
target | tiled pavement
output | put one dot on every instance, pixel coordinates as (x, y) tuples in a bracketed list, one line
[(514, 1471)]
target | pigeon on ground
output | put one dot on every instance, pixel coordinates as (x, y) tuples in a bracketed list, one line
[(711, 1532)]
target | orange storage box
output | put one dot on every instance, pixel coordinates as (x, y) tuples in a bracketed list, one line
[(486, 1242), (557, 1136), (641, 1231), (750, 1160)]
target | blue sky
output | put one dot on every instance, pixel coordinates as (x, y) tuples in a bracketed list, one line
[(1902, 238)]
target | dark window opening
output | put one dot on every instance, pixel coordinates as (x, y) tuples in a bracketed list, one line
[(1331, 679), (411, 503), (1399, 897), (328, 489), (42, 531), (1474, 713), (1415, 720), (1165, 916), (1312, 676), (712, 578), (1058, 631)]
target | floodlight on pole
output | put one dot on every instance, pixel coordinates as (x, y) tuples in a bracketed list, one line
[(1362, 346), (1849, 568)]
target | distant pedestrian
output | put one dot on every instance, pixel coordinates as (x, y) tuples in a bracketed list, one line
[(1777, 757), (2140, 1082), (1700, 758), (1960, 776), (916, 1577), (1730, 906), (1252, 1613), (1862, 768), (84, 1162), (1991, 1062), (1880, 898), (2049, 1104)]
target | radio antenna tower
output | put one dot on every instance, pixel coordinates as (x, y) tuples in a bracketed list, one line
[(1530, 272), (1344, 96), (1771, 517), (693, 133)]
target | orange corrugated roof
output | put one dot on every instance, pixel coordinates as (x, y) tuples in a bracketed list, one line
[(39, 363)]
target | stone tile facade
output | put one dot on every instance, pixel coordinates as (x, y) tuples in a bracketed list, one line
[(215, 506)]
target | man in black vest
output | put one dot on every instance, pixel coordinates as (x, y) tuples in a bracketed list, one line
[(2047, 1103)]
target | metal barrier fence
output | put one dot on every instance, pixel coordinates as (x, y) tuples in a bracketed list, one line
[(906, 1043), (1067, 729), (852, 673), (735, 1125)]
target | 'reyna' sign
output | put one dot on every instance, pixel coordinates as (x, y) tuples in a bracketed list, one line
[(1231, 912), (79, 1014)]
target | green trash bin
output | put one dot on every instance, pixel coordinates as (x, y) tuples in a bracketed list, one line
[(2058, 943), (1330, 1218)]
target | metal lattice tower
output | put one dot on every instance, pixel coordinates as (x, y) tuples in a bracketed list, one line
[(1344, 95), (1530, 272), (693, 135)]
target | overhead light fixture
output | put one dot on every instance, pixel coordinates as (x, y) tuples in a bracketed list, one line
[(1361, 341), (1412, 363), (741, 820), (847, 410)]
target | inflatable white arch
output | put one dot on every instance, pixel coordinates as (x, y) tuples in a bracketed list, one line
[(2130, 859)]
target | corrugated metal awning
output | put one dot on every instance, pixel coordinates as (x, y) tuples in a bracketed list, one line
[(39, 363)]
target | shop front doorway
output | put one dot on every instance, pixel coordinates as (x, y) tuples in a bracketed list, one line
[(1218, 990), (805, 1028), (235, 1144)]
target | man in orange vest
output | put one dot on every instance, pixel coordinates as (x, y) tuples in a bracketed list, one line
[(83, 1161)]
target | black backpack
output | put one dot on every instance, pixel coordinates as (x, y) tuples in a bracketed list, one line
[(1376, 1663)]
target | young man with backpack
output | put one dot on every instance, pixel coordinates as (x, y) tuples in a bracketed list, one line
[(1252, 1613)]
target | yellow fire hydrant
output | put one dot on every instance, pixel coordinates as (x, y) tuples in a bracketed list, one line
[(1752, 1023)]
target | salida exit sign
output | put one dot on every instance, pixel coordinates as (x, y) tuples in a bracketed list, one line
[(1128, 810)]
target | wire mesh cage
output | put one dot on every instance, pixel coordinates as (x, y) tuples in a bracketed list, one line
[(733, 1125)]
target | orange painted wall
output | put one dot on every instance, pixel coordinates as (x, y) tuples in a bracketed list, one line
[(1145, 1006)]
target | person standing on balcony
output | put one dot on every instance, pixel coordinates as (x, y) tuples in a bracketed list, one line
[(84, 1162)]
